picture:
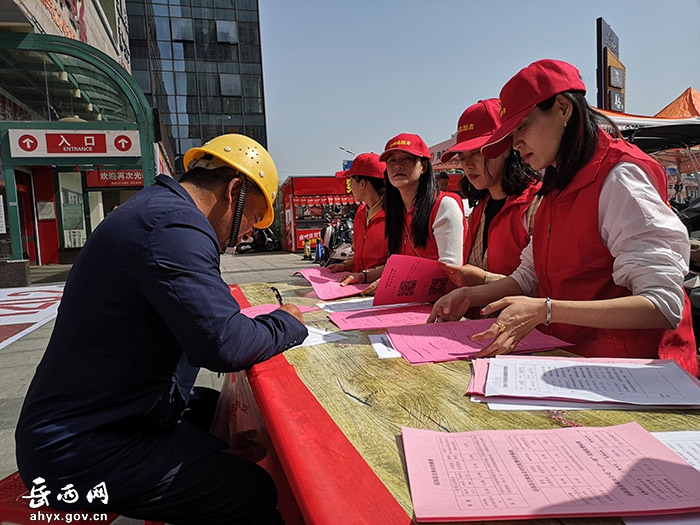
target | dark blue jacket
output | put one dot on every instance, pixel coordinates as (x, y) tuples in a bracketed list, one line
[(143, 309)]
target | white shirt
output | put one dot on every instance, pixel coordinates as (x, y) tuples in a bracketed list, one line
[(448, 229), (649, 243)]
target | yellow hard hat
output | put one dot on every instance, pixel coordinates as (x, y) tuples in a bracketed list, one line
[(248, 157)]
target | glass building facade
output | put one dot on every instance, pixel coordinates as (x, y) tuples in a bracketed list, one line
[(199, 63)]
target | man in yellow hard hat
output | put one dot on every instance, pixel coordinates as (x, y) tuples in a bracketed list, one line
[(112, 403)]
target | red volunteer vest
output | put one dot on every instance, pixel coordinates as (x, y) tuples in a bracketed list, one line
[(573, 263), (507, 234), (371, 248), (430, 251)]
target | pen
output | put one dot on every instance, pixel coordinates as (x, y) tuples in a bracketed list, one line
[(277, 295)]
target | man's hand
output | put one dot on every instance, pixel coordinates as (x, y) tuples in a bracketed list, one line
[(337, 267), (294, 310)]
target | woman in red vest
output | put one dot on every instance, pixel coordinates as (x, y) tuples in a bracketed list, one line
[(366, 175), (421, 220), (502, 193), (607, 259)]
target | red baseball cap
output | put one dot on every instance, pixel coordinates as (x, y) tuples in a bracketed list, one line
[(364, 165), (530, 86), (475, 127), (407, 142)]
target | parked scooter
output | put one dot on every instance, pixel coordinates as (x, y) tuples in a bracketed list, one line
[(336, 237), (258, 241)]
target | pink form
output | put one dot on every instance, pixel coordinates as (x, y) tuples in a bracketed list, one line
[(438, 342), (409, 279), (378, 318), (568, 472), (263, 309), (325, 283)]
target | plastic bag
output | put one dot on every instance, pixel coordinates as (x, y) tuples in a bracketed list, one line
[(237, 419)]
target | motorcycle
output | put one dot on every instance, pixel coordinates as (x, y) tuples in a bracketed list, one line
[(336, 237), (259, 240)]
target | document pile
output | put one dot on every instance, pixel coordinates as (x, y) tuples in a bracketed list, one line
[(540, 382), (517, 474)]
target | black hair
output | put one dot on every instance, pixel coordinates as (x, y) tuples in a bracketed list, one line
[(422, 208), (579, 142), (517, 176), (377, 183), (206, 179), (442, 175)]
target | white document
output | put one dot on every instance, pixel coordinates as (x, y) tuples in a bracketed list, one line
[(319, 337), (346, 306), (382, 346), (687, 445), (659, 383)]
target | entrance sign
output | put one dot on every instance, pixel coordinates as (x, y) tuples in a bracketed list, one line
[(74, 143)]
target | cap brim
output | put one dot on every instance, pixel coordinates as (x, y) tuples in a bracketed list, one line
[(385, 155), (343, 174), (475, 143), (502, 139)]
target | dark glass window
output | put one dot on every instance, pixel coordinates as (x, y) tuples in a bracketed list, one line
[(139, 48), (161, 10), (204, 31), (209, 86), (178, 11), (181, 28), (186, 84), (211, 105), (226, 53), (252, 86), (253, 105), (230, 84), (248, 33), (232, 105), (203, 12), (134, 8), (165, 51), (247, 16), (137, 27), (226, 32), (168, 82), (162, 28), (250, 54), (251, 5), (143, 78)]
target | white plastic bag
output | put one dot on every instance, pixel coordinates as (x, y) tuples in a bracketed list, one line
[(237, 419)]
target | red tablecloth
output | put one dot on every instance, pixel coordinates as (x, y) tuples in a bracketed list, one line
[(329, 479)]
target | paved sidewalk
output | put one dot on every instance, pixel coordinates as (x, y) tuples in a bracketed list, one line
[(19, 359)]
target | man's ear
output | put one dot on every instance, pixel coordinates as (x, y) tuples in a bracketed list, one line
[(233, 188)]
